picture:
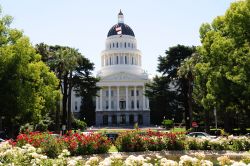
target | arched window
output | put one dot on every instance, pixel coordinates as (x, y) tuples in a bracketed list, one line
[(117, 60), (125, 45), (116, 45), (110, 45), (126, 61), (113, 45)]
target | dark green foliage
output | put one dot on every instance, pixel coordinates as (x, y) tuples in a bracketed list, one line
[(167, 123), (169, 93), (79, 124), (75, 72)]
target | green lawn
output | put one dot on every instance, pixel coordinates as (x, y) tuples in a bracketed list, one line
[(113, 149)]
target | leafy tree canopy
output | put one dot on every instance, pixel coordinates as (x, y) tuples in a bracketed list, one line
[(223, 70), (27, 87)]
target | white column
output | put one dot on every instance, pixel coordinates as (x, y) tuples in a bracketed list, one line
[(143, 97), (129, 57), (126, 97), (135, 98), (109, 98), (123, 58), (113, 59), (101, 99), (118, 98)]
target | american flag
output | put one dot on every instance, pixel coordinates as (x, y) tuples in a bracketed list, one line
[(118, 30)]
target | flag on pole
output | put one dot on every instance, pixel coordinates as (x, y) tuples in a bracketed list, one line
[(118, 30)]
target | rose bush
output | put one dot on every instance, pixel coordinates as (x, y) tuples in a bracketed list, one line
[(133, 141), (77, 143), (93, 143), (28, 155)]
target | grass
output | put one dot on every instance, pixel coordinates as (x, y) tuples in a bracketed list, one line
[(177, 129), (113, 149), (107, 130)]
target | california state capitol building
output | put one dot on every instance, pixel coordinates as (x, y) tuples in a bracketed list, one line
[(121, 100)]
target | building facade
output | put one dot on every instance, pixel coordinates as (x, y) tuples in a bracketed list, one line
[(121, 100)]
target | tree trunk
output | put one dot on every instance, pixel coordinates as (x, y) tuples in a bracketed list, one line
[(207, 124), (69, 102), (57, 127), (189, 98), (65, 97)]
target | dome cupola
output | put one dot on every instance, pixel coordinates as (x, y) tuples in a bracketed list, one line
[(120, 28)]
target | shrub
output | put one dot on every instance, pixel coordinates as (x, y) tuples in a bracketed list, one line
[(48, 143), (79, 124), (81, 144), (130, 141), (167, 123), (192, 144), (26, 128)]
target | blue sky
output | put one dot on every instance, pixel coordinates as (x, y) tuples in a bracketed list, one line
[(82, 24)]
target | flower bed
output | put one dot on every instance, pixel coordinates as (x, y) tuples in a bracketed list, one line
[(132, 141), (75, 143), (29, 155)]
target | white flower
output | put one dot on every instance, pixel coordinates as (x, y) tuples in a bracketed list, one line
[(133, 160), (106, 162), (71, 162), (187, 160), (206, 163), (166, 162), (147, 164), (199, 155), (92, 161), (239, 164)]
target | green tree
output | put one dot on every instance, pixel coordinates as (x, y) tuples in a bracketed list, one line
[(174, 90), (74, 72), (85, 87), (27, 87), (223, 71)]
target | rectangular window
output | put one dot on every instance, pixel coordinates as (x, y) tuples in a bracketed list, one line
[(137, 92), (117, 60), (107, 93), (137, 104), (132, 92), (112, 93), (107, 104), (132, 104), (76, 106)]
